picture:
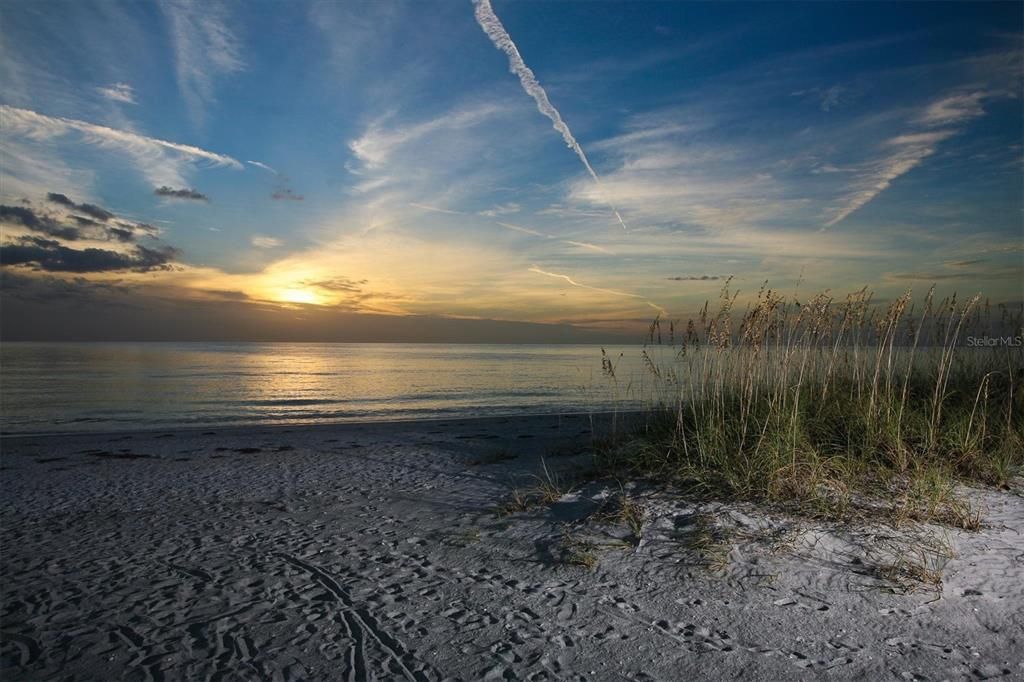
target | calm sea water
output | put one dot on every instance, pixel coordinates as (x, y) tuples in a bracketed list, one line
[(125, 386)]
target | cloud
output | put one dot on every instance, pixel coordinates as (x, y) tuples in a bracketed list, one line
[(205, 48), (107, 228), (184, 193), (28, 218), (119, 92), (28, 169), (501, 209), (286, 194), (52, 256), (965, 263), (48, 289), (41, 127), (88, 209), (494, 29), (696, 278), (342, 284), (61, 199), (264, 242), (953, 109), (911, 150), (159, 160), (377, 144), (951, 112)]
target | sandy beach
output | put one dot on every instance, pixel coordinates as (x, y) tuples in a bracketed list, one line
[(375, 551)]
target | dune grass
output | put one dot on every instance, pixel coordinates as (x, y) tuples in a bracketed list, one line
[(832, 408)]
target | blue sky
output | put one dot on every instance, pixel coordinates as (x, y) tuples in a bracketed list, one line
[(382, 157)]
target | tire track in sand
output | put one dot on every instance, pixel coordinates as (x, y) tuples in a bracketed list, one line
[(361, 624)]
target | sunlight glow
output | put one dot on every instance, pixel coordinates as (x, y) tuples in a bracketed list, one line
[(300, 296)]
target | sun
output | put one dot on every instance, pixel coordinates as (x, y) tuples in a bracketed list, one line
[(307, 296)]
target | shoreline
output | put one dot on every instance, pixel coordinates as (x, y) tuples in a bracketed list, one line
[(227, 427), (376, 549)]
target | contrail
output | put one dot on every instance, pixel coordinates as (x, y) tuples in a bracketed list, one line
[(434, 209), (263, 166), (494, 29), (535, 233), (613, 292)]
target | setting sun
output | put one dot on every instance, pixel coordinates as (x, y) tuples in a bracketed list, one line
[(300, 296)]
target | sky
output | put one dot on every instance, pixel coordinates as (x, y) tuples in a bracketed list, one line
[(491, 171)]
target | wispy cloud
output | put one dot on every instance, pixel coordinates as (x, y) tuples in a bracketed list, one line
[(953, 109), (501, 209), (376, 146), (949, 114), (205, 48), (264, 242), (119, 92), (494, 29), (149, 152), (909, 152)]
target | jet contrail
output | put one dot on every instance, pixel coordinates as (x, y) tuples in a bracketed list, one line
[(613, 292), (494, 29), (263, 166)]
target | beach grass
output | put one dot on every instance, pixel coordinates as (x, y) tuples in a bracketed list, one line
[(832, 408)]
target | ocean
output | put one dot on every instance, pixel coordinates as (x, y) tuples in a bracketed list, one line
[(100, 387)]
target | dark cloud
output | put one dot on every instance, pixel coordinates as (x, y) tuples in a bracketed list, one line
[(184, 193), (84, 222), (121, 234), (108, 228), (51, 289), (28, 218), (696, 278), (52, 256), (286, 194), (140, 228), (61, 199), (226, 294), (338, 284), (96, 212)]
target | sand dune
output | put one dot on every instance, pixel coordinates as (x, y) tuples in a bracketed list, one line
[(374, 552)]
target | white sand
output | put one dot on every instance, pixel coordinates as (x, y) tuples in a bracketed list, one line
[(373, 552)]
